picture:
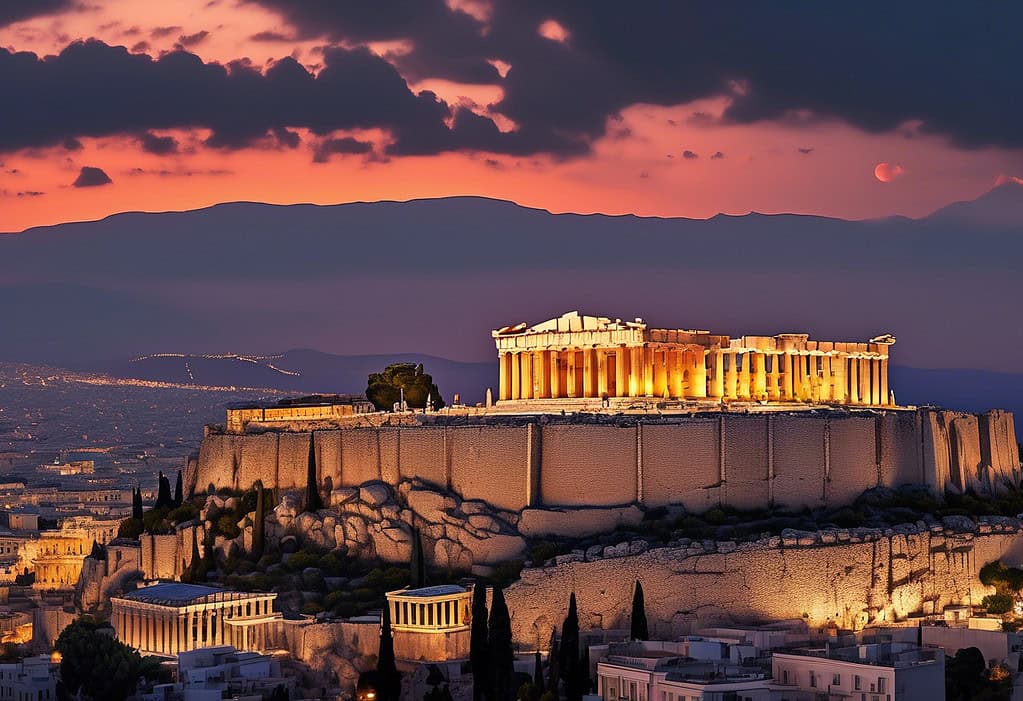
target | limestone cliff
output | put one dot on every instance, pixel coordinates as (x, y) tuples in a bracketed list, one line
[(851, 577)]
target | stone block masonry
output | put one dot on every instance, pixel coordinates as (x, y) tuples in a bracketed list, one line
[(847, 577), (793, 459)]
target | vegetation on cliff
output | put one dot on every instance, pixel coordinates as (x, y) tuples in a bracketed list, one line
[(967, 678), (639, 629), (386, 388)]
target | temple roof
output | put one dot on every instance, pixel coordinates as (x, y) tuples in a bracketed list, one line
[(439, 590), (181, 594)]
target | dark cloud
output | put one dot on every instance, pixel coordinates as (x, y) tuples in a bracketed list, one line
[(12, 11), (140, 47), (690, 155), (161, 32), (190, 40), (31, 193), (92, 89), (805, 151), (269, 35), (72, 144), (717, 156), (286, 138), (874, 66), (158, 145), (91, 177), (344, 145)]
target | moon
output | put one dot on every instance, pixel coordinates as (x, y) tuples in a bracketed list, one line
[(887, 172)]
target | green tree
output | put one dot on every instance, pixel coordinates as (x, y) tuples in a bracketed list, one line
[(99, 667), (178, 495), (997, 603), (313, 501), (553, 665), (390, 678), (639, 626), (479, 657), (258, 536), (417, 567), (570, 652), (163, 494), (385, 388), (538, 674), (499, 648), (136, 504)]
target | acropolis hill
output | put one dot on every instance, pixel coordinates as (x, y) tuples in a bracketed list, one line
[(600, 416)]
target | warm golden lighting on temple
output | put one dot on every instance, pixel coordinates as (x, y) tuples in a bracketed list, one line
[(577, 356)]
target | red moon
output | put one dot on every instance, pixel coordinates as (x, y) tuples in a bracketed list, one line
[(887, 172)]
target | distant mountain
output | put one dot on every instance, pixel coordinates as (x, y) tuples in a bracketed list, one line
[(437, 275), (1001, 207)]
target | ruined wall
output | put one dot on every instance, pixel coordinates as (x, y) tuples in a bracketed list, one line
[(791, 459), (869, 577), (167, 556)]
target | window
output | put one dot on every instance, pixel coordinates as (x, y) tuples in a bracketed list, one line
[(836, 680), (813, 680), (881, 681), (857, 685)]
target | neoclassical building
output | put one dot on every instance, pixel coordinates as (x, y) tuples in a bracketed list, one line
[(431, 624), (577, 357), (172, 617)]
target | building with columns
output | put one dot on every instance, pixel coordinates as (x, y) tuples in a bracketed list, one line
[(172, 617), (431, 624), (579, 357)]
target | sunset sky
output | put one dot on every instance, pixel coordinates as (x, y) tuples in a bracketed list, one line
[(690, 109)]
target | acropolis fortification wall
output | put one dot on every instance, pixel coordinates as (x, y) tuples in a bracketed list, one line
[(794, 459), (847, 577)]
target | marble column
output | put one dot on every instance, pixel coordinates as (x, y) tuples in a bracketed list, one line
[(742, 391), (504, 389), (557, 391), (636, 382), (885, 394), (602, 382), (589, 373), (731, 376), (516, 379), (827, 378), (839, 386), (621, 371), (759, 371), (648, 371), (854, 384), (788, 385), (571, 384), (526, 375), (716, 385), (876, 398), (864, 375), (677, 368), (660, 372), (698, 381)]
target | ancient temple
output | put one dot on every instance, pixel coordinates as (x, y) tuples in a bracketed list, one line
[(578, 357), (172, 617)]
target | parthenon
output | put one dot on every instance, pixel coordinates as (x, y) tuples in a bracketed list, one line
[(575, 356)]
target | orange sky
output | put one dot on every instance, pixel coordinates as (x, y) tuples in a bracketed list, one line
[(638, 167)]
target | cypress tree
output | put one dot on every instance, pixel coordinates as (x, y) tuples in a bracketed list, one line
[(499, 646), (313, 502), (418, 564), (479, 657), (258, 537), (538, 674), (136, 503), (570, 652), (163, 494), (553, 663), (178, 496), (390, 679), (585, 683), (639, 626)]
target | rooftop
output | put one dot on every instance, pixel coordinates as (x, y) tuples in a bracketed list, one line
[(426, 592), (180, 594)]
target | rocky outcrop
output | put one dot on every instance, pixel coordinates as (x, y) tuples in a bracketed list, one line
[(374, 521), (102, 578), (850, 577)]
